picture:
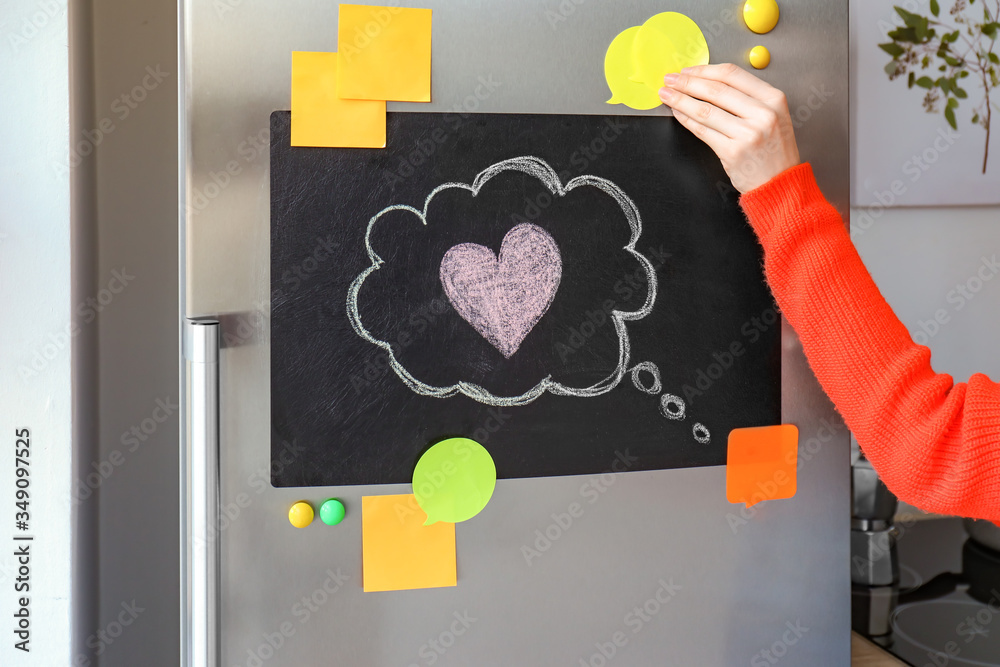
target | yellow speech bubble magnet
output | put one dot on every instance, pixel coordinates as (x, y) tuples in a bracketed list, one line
[(665, 44), (618, 66)]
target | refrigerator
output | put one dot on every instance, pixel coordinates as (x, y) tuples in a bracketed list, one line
[(581, 556)]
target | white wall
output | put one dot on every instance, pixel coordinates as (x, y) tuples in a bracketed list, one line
[(38, 345), (927, 262)]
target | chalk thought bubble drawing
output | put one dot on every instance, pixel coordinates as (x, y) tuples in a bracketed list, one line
[(504, 296), (544, 258)]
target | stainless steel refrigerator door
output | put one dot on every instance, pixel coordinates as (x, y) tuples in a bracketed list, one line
[(662, 560)]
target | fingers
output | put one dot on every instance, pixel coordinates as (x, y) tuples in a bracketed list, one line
[(704, 112), (717, 141), (742, 119), (719, 93), (738, 78)]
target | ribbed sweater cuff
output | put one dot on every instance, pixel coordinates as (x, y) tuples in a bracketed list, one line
[(781, 199)]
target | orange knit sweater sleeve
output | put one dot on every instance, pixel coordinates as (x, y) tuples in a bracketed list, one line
[(935, 444)]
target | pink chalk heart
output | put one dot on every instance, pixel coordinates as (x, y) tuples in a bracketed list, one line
[(503, 298)]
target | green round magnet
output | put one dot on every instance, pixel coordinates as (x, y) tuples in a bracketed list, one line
[(331, 512)]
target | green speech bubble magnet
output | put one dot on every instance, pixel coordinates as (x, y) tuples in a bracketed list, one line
[(454, 480)]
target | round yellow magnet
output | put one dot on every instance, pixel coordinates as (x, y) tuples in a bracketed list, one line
[(301, 514), (760, 15), (760, 57)]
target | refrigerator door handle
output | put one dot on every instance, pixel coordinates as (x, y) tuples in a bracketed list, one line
[(199, 468)]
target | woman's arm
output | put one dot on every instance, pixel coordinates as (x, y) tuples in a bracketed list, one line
[(935, 444)]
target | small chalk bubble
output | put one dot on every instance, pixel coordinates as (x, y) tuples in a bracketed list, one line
[(701, 433), (672, 407), (648, 367)]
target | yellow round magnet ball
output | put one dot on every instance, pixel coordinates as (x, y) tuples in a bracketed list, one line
[(301, 514), (761, 15), (760, 57)]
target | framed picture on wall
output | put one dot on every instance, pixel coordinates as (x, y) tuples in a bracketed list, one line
[(925, 102)]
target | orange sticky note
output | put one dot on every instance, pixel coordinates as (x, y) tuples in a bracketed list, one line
[(320, 118), (761, 463), (399, 551), (385, 53)]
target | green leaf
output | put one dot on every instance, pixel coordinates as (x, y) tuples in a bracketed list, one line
[(904, 35), (975, 118), (994, 58), (990, 29), (954, 62), (949, 115), (942, 68), (942, 83), (925, 62), (963, 74), (893, 49), (909, 81), (952, 103), (925, 82), (959, 93), (908, 17), (935, 8), (920, 29), (891, 67)]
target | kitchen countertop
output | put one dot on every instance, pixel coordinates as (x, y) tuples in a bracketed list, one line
[(866, 654)]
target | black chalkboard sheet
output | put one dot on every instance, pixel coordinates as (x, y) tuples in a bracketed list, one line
[(579, 294)]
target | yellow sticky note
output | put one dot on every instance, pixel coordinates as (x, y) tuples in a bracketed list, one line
[(399, 551), (385, 53), (320, 118), (761, 463)]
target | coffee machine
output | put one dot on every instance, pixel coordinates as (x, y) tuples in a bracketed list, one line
[(925, 588)]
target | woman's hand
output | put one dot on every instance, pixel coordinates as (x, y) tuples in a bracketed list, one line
[(743, 119)]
